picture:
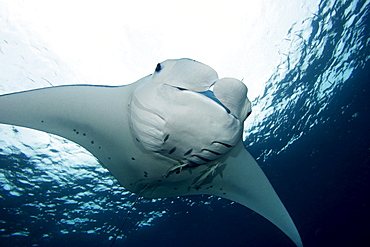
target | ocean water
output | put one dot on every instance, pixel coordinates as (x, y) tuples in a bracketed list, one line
[(309, 131)]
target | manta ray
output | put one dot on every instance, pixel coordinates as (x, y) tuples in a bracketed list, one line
[(175, 132)]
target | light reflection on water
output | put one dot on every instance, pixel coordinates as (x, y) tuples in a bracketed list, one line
[(321, 59)]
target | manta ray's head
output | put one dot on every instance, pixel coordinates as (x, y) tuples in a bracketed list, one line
[(166, 110)]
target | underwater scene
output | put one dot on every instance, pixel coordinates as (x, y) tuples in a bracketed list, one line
[(309, 131)]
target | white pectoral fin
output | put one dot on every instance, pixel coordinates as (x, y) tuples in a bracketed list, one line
[(62, 110), (93, 116), (244, 182)]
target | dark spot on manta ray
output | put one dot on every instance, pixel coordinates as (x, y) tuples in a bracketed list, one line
[(84, 134), (42, 121), (74, 130), (188, 152), (145, 174), (137, 140), (224, 193), (99, 147), (77, 132), (175, 188), (158, 68), (109, 158), (92, 142), (159, 180), (166, 137), (132, 158), (172, 150)]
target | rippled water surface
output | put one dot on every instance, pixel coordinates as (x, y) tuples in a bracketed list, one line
[(309, 131)]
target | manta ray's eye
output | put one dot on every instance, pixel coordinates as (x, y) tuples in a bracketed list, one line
[(158, 68)]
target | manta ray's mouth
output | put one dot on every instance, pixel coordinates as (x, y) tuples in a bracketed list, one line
[(212, 96), (209, 94)]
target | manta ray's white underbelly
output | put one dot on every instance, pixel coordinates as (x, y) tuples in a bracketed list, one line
[(181, 124)]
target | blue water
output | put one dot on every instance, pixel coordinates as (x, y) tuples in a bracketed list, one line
[(309, 132)]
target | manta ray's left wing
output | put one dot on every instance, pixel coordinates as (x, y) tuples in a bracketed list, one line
[(93, 116)]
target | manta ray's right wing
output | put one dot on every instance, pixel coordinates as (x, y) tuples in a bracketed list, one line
[(244, 182)]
